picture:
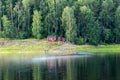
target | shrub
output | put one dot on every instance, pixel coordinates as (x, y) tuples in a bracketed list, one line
[(80, 41), (1, 34), (23, 35), (93, 42)]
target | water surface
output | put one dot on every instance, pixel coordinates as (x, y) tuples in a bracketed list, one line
[(72, 67)]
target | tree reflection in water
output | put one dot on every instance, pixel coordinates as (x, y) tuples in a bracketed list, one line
[(65, 68)]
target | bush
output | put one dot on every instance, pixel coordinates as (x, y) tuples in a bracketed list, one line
[(93, 42), (23, 35), (1, 34), (80, 41)]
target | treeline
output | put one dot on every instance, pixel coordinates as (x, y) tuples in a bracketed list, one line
[(79, 21)]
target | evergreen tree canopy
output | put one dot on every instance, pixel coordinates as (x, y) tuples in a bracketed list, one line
[(89, 21), (69, 24), (37, 25)]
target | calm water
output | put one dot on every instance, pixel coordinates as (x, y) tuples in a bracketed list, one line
[(74, 67)]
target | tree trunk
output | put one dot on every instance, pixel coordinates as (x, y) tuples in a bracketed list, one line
[(55, 15), (28, 19), (18, 20), (0, 16), (11, 6)]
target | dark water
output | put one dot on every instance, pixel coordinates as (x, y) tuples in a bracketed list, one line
[(74, 67)]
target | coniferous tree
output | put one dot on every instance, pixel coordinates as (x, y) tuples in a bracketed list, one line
[(90, 28), (9, 30), (117, 25), (93, 20), (107, 20), (37, 24), (69, 23), (0, 15)]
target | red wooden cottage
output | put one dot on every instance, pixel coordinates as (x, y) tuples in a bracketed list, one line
[(51, 38)]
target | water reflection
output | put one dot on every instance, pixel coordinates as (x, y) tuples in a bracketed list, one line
[(63, 68)]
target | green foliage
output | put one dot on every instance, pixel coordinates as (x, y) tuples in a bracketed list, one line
[(23, 35), (37, 25), (9, 30), (69, 23), (1, 34), (96, 21), (117, 25), (80, 41), (90, 27), (0, 15), (108, 37), (27, 3)]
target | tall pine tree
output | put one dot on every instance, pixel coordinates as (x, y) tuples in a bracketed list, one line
[(117, 25), (69, 23), (37, 25)]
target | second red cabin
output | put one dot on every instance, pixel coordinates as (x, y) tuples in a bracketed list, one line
[(61, 39)]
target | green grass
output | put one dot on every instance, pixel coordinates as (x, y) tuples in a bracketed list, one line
[(26, 48), (99, 49), (34, 48)]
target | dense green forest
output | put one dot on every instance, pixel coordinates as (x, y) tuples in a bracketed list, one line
[(79, 21)]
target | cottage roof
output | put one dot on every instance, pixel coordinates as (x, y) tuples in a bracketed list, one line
[(51, 37)]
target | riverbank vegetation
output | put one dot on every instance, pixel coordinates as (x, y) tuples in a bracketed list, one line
[(34, 47), (103, 49), (39, 48), (79, 21)]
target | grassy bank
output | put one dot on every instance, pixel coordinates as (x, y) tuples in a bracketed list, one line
[(99, 49), (34, 48)]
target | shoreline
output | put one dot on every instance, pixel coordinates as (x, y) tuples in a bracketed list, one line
[(32, 48)]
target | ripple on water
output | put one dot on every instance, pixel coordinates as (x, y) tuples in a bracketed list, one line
[(78, 55)]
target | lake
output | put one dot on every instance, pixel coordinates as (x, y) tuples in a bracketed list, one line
[(72, 67)]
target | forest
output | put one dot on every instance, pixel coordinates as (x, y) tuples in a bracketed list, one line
[(79, 21)]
